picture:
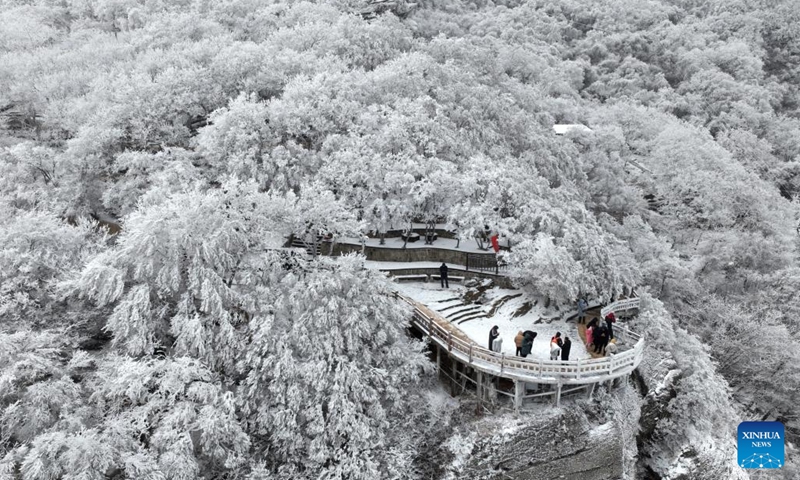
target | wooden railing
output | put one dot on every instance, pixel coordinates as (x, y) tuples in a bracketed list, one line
[(580, 371), (619, 306)]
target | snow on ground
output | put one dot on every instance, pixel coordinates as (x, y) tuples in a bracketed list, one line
[(544, 322)]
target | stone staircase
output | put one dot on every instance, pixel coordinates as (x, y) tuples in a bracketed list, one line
[(456, 311)]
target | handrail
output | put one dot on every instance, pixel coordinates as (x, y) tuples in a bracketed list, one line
[(568, 371), (620, 305)]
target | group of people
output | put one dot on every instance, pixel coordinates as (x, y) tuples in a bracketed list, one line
[(524, 342), (559, 347), (599, 335)]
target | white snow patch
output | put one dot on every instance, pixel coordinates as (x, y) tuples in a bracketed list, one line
[(603, 430)]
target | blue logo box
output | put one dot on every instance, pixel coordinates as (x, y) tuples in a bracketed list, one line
[(761, 445)]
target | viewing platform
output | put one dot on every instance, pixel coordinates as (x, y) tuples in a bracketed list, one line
[(495, 375)]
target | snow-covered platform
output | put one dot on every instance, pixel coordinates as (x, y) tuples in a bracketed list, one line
[(509, 309), (469, 361)]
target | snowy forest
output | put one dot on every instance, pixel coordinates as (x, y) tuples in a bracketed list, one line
[(155, 156)]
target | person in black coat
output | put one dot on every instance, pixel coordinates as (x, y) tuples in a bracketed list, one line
[(527, 343), (443, 275), (610, 318), (601, 339), (493, 333), (565, 348)]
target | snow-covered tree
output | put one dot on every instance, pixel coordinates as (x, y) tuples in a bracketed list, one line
[(175, 272), (330, 374), (37, 251)]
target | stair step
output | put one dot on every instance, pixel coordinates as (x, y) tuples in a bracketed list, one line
[(500, 302), (449, 300), (449, 307), (465, 314), (467, 318), (469, 308)]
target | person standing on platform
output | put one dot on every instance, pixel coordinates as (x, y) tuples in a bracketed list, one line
[(497, 345), (493, 333), (527, 343), (555, 351), (565, 348), (518, 342), (443, 275), (582, 305), (610, 318), (589, 336), (600, 340)]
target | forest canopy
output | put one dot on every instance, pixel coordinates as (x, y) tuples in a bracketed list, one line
[(179, 345)]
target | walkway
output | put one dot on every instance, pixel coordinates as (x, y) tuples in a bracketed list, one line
[(590, 314), (522, 371)]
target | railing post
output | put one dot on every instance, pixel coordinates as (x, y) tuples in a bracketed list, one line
[(578, 371), (558, 394), (438, 360), (519, 387), (449, 341), (430, 327), (470, 354), (502, 362)]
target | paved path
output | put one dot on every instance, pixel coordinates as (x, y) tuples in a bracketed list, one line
[(590, 314)]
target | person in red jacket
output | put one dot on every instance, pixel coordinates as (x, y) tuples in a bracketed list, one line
[(610, 318)]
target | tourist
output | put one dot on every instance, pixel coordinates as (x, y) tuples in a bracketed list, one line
[(582, 306), (527, 343), (497, 345), (557, 339), (565, 348), (443, 275), (601, 339), (610, 318), (589, 337), (518, 342), (612, 348), (493, 333), (593, 322), (555, 350)]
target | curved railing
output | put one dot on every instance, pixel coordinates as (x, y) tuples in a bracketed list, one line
[(532, 370), (620, 305)]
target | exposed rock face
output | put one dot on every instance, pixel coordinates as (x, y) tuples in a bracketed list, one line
[(558, 444)]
